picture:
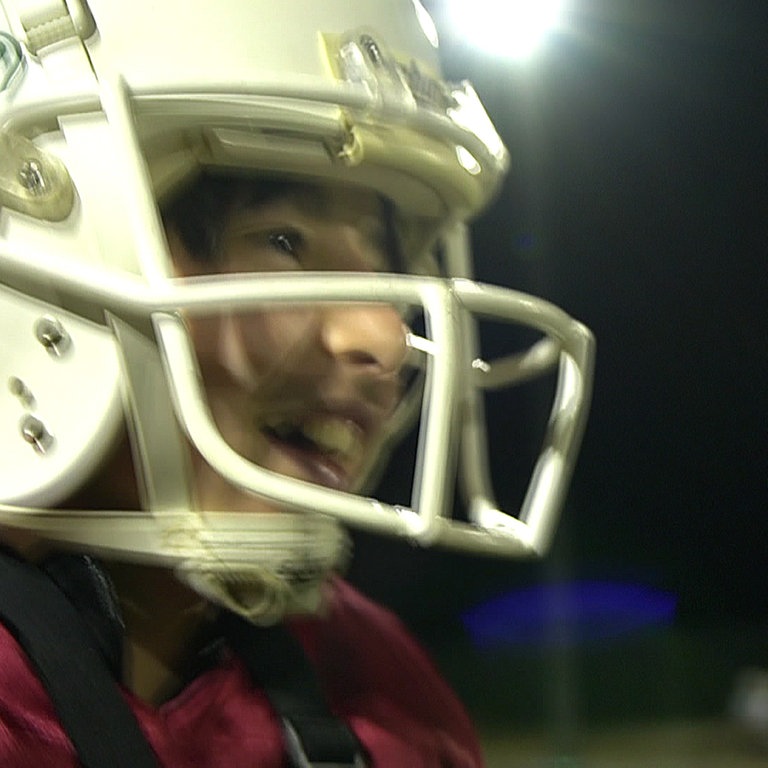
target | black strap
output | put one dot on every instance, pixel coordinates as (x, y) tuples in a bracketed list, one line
[(86, 698), (314, 737), (96, 717)]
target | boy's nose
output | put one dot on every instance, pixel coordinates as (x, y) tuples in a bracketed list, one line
[(371, 337)]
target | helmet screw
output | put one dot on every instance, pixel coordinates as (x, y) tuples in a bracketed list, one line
[(19, 389), (51, 334), (371, 47), (35, 433), (32, 178)]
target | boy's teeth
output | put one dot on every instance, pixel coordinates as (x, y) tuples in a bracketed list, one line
[(332, 435)]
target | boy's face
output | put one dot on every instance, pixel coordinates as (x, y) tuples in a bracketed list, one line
[(308, 391)]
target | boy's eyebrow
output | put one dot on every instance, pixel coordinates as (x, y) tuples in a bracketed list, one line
[(379, 228)]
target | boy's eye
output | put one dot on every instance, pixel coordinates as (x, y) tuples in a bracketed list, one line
[(287, 242)]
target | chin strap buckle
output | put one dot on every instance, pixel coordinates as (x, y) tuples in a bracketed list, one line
[(334, 750), (41, 24), (314, 737)]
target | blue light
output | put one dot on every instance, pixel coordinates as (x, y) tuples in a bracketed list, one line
[(567, 613)]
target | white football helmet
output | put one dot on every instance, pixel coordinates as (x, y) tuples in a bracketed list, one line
[(106, 108)]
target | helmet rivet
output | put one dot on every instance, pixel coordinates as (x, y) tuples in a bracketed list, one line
[(32, 178), (19, 389), (16, 386), (35, 433), (371, 47), (51, 334)]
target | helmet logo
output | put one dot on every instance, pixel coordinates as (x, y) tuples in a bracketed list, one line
[(360, 58)]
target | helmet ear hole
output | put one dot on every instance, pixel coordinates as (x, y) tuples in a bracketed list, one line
[(60, 406)]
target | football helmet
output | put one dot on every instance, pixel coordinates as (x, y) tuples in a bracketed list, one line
[(107, 108)]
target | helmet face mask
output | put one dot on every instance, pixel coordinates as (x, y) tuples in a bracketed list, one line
[(107, 328)]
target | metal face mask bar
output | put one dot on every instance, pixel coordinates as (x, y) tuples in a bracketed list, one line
[(449, 362)]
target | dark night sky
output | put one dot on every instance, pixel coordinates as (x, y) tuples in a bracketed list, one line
[(637, 201)]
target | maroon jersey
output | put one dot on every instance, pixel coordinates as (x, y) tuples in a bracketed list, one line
[(377, 679)]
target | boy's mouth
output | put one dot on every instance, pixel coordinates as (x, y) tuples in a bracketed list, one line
[(325, 445)]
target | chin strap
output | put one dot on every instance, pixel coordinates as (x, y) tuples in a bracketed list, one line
[(260, 595), (314, 737), (261, 566)]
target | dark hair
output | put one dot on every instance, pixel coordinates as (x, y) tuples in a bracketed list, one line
[(200, 212)]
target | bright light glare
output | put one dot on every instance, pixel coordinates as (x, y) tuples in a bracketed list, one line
[(512, 29)]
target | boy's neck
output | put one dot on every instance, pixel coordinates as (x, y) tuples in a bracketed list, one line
[(166, 623)]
